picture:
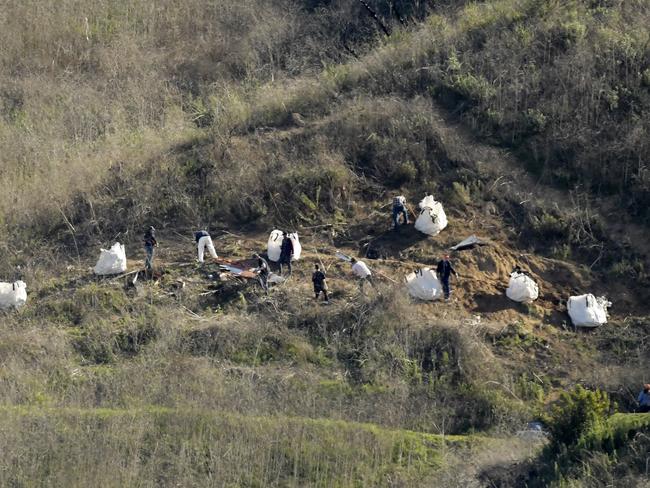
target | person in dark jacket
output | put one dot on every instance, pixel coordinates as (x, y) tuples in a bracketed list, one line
[(286, 252), (150, 243), (263, 272), (399, 208), (444, 271), (320, 285)]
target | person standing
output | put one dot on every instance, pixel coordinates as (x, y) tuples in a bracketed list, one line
[(444, 272), (150, 243), (204, 240), (286, 252), (263, 272), (399, 208), (362, 271), (318, 278), (644, 400)]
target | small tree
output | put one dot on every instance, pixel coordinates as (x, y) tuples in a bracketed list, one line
[(578, 419)]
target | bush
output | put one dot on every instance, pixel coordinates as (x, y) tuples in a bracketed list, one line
[(578, 420)]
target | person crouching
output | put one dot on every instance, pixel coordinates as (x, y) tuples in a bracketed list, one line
[(362, 271), (203, 241)]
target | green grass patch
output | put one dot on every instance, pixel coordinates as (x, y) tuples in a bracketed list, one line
[(143, 447)]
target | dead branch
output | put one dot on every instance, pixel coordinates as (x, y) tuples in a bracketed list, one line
[(374, 15)]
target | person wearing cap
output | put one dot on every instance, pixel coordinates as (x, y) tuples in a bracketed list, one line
[(286, 252), (320, 284), (644, 399), (360, 269), (444, 272), (517, 270), (204, 240), (399, 208), (150, 243), (263, 272)]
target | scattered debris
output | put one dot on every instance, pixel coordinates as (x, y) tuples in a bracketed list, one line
[(470, 243), (343, 257), (276, 279), (241, 269)]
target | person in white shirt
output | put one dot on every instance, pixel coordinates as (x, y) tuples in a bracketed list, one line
[(204, 240), (360, 269)]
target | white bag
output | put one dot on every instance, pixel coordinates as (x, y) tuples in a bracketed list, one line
[(424, 284), (112, 261), (522, 288), (427, 201), (297, 248), (274, 246), (13, 295), (432, 218), (587, 310)]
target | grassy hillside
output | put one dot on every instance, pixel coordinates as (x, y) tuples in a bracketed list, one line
[(161, 446), (150, 146), (528, 119)]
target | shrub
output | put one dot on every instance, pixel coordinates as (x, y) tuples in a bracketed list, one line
[(405, 172), (459, 194), (550, 227), (578, 419)]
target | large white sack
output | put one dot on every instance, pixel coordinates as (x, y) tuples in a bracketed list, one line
[(427, 201), (424, 284), (432, 218), (13, 295), (587, 310), (274, 245), (297, 248), (111, 261), (274, 248), (522, 288)]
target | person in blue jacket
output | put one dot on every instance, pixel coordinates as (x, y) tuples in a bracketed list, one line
[(644, 400)]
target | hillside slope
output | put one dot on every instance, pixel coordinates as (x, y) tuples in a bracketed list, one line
[(306, 116)]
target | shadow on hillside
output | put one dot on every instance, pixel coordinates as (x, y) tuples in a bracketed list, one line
[(491, 303), (381, 242)]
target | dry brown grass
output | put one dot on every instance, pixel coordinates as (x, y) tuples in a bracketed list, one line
[(154, 114)]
